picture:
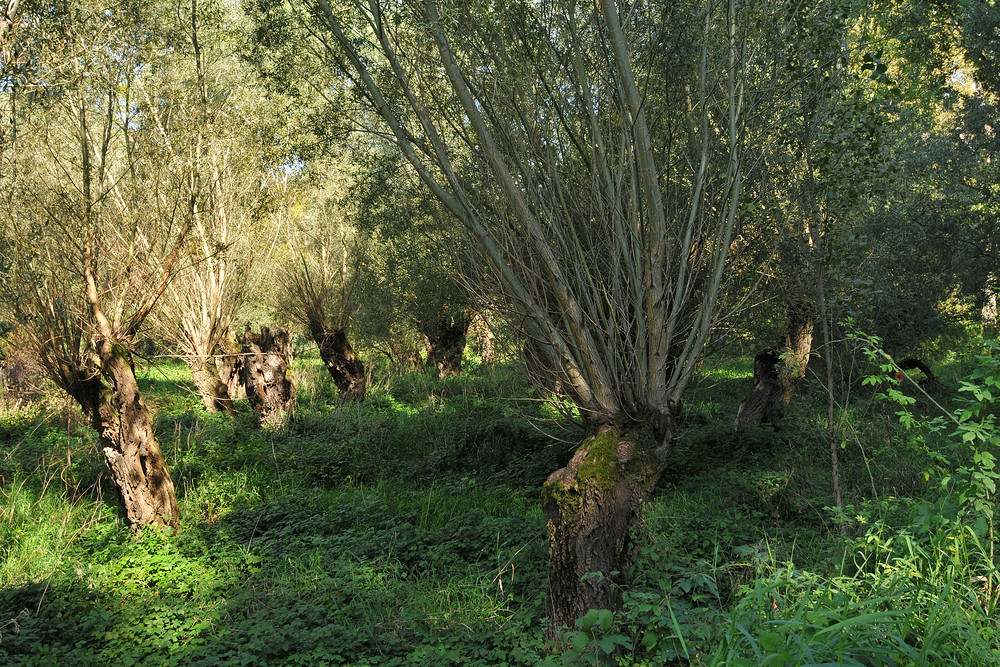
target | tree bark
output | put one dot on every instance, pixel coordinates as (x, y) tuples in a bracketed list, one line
[(112, 403), (798, 346), (346, 369), (589, 506), (766, 402), (446, 345), (214, 391), (264, 374), (229, 364), (484, 338)]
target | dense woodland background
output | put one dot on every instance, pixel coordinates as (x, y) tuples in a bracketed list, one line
[(522, 332)]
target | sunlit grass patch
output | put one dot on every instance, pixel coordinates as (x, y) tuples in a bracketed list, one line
[(37, 527), (719, 367), (166, 384), (215, 496)]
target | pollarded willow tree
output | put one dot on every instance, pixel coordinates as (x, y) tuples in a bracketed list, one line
[(594, 153), (317, 284), (97, 214), (216, 119), (415, 277)]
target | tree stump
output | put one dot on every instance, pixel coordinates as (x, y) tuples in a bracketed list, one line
[(346, 369)]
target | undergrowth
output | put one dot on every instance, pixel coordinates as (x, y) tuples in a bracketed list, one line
[(408, 530)]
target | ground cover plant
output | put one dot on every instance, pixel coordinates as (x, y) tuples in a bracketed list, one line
[(407, 530), (636, 212)]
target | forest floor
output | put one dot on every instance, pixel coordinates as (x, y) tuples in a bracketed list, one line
[(408, 530)]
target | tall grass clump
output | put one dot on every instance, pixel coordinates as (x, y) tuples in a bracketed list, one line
[(36, 528), (922, 584), (909, 604)]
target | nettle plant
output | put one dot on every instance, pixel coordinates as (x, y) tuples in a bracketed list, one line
[(962, 444)]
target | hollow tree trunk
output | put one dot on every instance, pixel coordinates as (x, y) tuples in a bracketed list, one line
[(798, 346), (446, 345), (112, 403), (345, 367), (589, 507), (269, 389), (213, 390)]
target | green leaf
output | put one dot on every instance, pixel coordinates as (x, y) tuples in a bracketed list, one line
[(578, 641), (611, 642), (589, 620)]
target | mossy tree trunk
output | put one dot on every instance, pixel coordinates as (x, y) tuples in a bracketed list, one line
[(797, 348), (112, 403), (264, 373), (446, 345), (346, 369), (589, 506)]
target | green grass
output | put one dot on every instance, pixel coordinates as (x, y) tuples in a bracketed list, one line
[(408, 530)]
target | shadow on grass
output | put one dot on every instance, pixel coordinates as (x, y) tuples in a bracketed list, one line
[(354, 576)]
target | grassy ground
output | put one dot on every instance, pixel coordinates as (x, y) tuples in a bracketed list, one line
[(407, 530)]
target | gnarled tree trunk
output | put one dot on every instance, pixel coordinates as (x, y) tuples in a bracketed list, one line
[(270, 390), (589, 506), (213, 390), (776, 374), (112, 403), (229, 364), (766, 402), (345, 367), (798, 346), (446, 345)]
